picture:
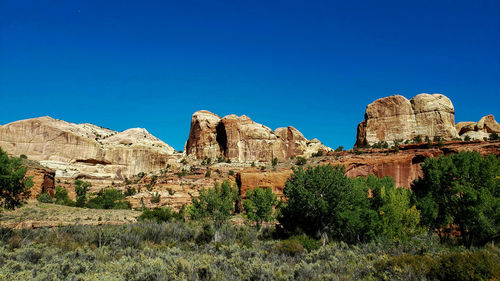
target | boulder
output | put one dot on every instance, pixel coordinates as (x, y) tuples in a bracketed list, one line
[(478, 130), (397, 118), (434, 116)]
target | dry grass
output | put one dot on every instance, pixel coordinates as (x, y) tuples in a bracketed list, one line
[(35, 214)]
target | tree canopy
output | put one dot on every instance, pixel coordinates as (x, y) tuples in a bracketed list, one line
[(14, 186), (460, 195)]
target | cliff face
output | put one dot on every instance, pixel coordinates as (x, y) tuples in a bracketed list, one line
[(240, 139), (86, 150), (43, 181), (403, 167), (396, 118)]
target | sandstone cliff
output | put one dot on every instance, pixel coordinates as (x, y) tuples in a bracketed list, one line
[(86, 150), (396, 118), (240, 139)]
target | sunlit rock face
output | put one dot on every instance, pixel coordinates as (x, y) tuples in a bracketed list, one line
[(86, 150), (478, 130), (240, 139), (397, 118)]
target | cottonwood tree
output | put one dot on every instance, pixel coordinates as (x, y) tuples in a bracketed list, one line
[(461, 191), (259, 205), (14, 186)]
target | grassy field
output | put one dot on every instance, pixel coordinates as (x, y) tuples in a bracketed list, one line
[(35, 214)]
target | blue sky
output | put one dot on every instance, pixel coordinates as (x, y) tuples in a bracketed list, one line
[(314, 65)]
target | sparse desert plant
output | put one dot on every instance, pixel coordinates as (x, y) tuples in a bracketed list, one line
[(44, 198)]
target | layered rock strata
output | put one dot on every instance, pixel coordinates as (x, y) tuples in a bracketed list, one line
[(240, 139), (86, 150), (396, 118)]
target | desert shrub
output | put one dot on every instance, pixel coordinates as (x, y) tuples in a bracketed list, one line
[(164, 214), (307, 242), (108, 198), (44, 198), (208, 173), (300, 161), (260, 204), (231, 173), (317, 154), (340, 148), (61, 197), (155, 198), (494, 136), (130, 191), (274, 162), (290, 247), (455, 265)]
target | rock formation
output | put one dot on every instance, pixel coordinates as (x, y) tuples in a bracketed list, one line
[(43, 181), (85, 150), (240, 139), (251, 178), (478, 130), (396, 118)]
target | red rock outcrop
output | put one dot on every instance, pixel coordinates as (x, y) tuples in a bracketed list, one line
[(404, 167), (396, 118), (43, 180), (251, 178), (240, 139)]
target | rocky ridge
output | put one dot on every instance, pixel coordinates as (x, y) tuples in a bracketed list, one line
[(85, 150), (240, 139)]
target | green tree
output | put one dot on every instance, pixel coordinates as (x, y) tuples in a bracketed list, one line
[(259, 205), (398, 219), (215, 203), (109, 198), (81, 188), (275, 162), (14, 186), (461, 190), (324, 200)]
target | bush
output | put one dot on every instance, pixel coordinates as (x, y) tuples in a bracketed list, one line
[(289, 247), (164, 214), (109, 198), (155, 198), (61, 197), (301, 161), (275, 162), (44, 198), (494, 136), (207, 174), (307, 242), (340, 148)]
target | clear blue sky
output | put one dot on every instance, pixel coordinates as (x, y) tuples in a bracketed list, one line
[(314, 65)]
